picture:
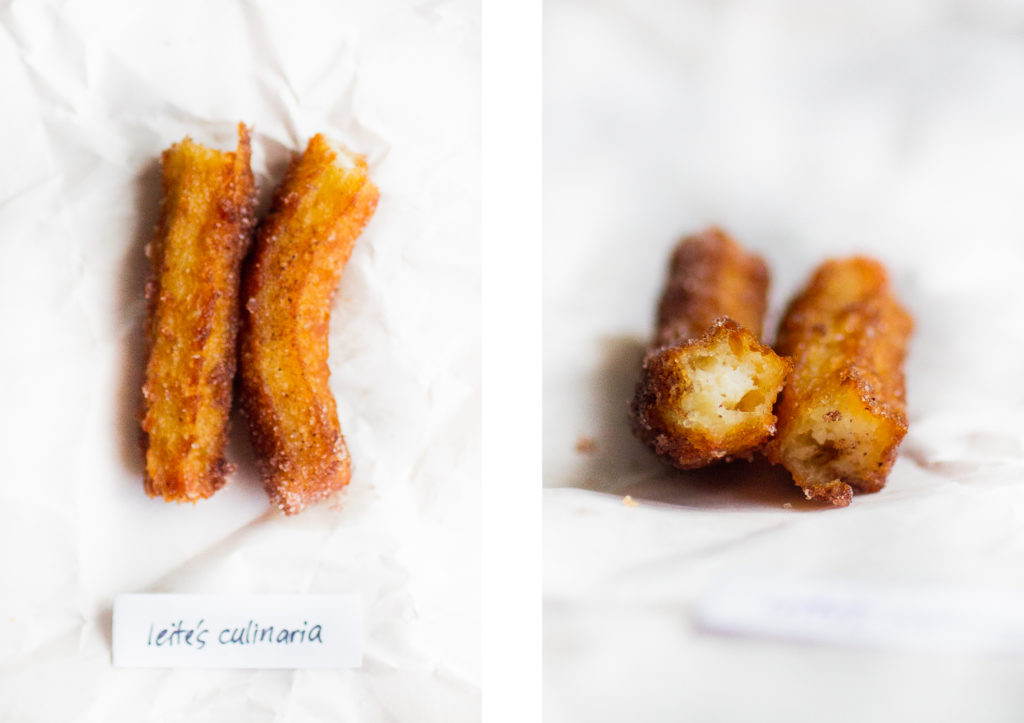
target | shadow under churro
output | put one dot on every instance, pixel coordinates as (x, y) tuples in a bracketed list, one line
[(616, 455), (132, 303), (276, 159), (239, 450), (733, 485)]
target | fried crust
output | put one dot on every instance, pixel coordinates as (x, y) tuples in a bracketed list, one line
[(707, 386), (842, 414), (710, 276), (709, 400), (205, 227), (319, 211)]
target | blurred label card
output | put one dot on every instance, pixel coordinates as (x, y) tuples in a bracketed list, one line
[(237, 631), (866, 615)]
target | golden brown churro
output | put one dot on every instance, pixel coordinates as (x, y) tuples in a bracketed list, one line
[(711, 276), (842, 413), (205, 226), (301, 248), (707, 399)]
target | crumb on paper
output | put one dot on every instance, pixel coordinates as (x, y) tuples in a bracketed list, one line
[(586, 445), (629, 501), (787, 506)]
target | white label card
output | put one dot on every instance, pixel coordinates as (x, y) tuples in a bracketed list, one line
[(237, 631), (901, 617)]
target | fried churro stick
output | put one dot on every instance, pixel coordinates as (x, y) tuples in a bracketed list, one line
[(842, 413), (205, 225), (707, 399), (301, 248), (711, 276)]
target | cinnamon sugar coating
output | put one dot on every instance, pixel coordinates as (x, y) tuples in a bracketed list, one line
[(301, 248), (710, 276), (708, 385), (205, 226), (842, 414)]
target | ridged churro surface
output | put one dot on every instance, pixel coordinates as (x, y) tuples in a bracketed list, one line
[(710, 276), (319, 211), (204, 230), (842, 413)]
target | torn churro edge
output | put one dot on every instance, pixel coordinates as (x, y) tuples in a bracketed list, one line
[(295, 477), (228, 222), (675, 403)]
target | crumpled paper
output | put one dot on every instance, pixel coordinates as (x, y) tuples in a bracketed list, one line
[(808, 132), (93, 91)]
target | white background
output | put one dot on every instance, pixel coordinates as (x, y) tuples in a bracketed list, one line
[(512, 319), (93, 92), (808, 130)]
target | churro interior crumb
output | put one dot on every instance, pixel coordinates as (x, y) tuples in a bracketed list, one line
[(727, 381), (344, 157), (834, 445), (709, 399)]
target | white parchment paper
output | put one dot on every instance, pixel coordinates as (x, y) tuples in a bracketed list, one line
[(808, 130), (92, 92)]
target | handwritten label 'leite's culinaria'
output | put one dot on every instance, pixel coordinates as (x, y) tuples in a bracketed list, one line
[(237, 631)]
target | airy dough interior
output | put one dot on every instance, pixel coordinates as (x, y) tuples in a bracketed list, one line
[(728, 383), (835, 445)]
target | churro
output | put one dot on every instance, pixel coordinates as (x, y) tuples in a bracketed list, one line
[(842, 412), (708, 385), (204, 230), (710, 276), (319, 211)]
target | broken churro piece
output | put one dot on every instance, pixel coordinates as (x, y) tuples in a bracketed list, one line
[(319, 210), (842, 413), (707, 399), (192, 317)]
